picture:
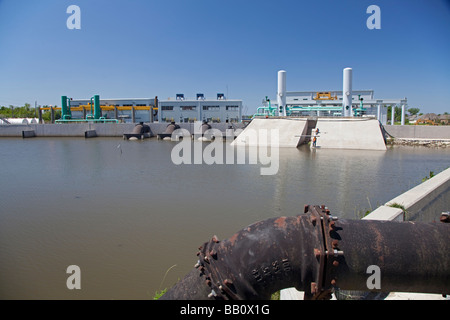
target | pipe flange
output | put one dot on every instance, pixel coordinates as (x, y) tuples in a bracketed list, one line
[(221, 289), (328, 255)]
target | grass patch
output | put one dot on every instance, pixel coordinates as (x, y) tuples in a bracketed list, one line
[(275, 296), (428, 177), (397, 205), (159, 294)]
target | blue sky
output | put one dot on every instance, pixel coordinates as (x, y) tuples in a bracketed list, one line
[(144, 48)]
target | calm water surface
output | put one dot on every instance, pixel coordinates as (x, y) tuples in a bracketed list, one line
[(125, 214)]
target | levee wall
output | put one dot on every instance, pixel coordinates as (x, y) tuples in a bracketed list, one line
[(419, 132)]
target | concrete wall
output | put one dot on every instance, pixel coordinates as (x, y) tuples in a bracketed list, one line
[(423, 202), (344, 133), (419, 132), (68, 130), (291, 132), (102, 129)]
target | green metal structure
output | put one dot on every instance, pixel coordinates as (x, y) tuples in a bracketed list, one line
[(269, 111), (95, 116), (66, 114)]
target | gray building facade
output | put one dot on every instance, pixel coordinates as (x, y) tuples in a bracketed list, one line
[(200, 109)]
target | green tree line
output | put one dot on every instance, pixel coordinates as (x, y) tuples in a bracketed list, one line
[(18, 112), (26, 111)]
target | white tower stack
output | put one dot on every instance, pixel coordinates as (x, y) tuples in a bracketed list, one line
[(281, 96), (347, 93)]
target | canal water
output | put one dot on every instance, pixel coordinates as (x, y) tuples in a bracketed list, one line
[(132, 220)]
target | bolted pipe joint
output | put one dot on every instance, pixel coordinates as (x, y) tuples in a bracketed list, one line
[(316, 253)]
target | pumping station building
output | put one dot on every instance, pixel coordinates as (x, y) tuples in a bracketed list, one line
[(200, 109), (137, 110)]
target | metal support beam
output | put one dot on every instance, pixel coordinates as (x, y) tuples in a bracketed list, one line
[(393, 114), (403, 115)]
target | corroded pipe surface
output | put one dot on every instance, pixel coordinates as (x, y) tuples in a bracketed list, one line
[(316, 252)]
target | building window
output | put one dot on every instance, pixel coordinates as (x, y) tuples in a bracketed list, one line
[(232, 108), (188, 108), (167, 108), (211, 108)]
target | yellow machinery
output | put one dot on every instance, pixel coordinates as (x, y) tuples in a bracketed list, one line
[(325, 96), (104, 108), (429, 122)]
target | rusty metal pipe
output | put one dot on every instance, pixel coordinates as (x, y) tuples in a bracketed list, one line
[(255, 262), (315, 253), (412, 256)]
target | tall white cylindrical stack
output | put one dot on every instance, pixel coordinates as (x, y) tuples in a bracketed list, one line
[(281, 96), (347, 93)]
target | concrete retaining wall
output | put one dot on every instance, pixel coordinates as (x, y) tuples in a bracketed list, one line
[(419, 132), (422, 202), (101, 129)]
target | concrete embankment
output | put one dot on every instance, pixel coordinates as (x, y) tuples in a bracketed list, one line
[(94, 129), (273, 132), (350, 133), (334, 133), (425, 200), (418, 135)]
